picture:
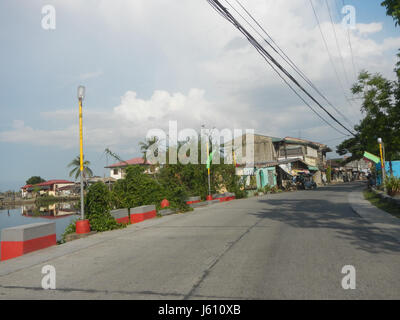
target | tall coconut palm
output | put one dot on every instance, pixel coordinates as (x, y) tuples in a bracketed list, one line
[(76, 171)]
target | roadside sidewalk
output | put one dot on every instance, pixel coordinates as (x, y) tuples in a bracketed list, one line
[(376, 217)]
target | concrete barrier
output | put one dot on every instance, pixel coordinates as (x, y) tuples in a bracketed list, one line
[(193, 200), (142, 213), (227, 196), (17, 241), (167, 212), (138, 214), (121, 215), (199, 204)]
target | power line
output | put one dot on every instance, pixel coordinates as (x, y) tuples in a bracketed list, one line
[(351, 48), (283, 55), (330, 55), (228, 16), (337, 41)]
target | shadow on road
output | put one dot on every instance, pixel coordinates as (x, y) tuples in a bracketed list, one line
[(313, 212)]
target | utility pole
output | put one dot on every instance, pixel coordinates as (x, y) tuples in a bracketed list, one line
[(382, 152)]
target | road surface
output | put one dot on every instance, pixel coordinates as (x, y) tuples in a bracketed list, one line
[(283, 246)]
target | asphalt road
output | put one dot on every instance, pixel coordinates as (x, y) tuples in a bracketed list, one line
[(283, 246)]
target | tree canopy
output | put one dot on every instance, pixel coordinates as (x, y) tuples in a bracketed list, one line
[(393, 9), (381, 107), (76, 166), (35, 180)]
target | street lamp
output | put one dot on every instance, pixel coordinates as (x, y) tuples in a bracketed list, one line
[(381, 149), (82, 226)]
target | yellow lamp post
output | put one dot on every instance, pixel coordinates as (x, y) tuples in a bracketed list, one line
[(82, 226), (381, 149)]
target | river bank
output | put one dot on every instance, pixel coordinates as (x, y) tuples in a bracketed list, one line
[(11, 203)]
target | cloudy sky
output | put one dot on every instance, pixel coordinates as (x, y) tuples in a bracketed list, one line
[(146, 62)]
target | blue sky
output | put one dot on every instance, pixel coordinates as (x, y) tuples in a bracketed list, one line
[(148, 62)]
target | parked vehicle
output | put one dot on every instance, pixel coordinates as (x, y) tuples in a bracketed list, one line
[(306, 182)]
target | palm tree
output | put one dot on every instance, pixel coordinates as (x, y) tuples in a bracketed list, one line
[(76, 165), (144, 146)]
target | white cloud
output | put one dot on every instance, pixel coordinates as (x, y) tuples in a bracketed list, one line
[(370, 28), (202, 50)]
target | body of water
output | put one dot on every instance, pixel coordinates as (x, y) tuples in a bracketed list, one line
[(60, 213)]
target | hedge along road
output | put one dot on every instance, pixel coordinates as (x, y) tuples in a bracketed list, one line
[(282, 246)]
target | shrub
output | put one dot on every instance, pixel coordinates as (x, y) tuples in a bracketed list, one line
[(329, 174), (71, 228), (98, 205), (139, 189), (267, 188), (392, 185)]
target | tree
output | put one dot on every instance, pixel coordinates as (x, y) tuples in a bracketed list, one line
[(35, 180), (145, 145), (392, 9), (98, 203), (76, 165), (137, 189), (381, 107)]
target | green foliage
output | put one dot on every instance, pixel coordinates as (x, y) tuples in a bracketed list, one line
[(76, 167), (392, 185), (224, 176), (329, 174), (145, 145), (253, 182), (71, 228), (98, 205), (47, 200), (382, 204), (35, 180), (393, 9), (137, 189), (381, 107), (275, 189), (267, 188), (173, 182)]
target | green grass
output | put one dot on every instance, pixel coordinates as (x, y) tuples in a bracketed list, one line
[(382, 204)]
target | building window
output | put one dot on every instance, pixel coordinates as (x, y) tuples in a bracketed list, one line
[(115, 172)]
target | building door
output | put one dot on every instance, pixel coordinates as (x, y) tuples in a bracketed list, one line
[(271, 181), (262, 184)]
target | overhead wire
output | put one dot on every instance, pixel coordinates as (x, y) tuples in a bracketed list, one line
[(337, 42), (284, 56), (330, 56), (267, 56)]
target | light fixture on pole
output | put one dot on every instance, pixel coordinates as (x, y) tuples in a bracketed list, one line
[(381, 148), (82, 226)]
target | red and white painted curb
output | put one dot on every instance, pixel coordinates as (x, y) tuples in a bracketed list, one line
[(17, 241)]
